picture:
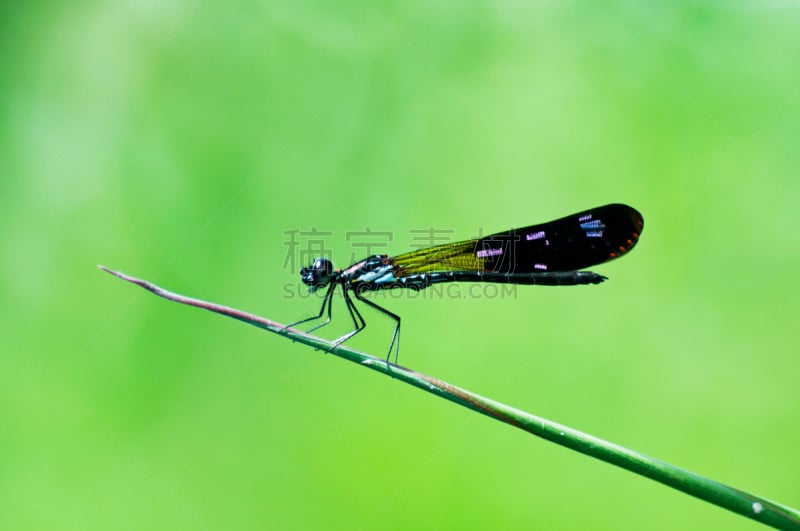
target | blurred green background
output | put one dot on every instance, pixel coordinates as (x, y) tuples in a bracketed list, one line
[(183, 142)]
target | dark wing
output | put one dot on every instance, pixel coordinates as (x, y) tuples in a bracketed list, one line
[(574, 242)]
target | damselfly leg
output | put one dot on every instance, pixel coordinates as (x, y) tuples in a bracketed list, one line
[(326, 301), (358, 320), (395, 343)]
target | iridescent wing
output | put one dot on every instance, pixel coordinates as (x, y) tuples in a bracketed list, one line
[(573, 242)]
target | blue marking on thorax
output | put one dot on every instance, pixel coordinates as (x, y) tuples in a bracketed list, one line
[(379, 275), (387, 278)]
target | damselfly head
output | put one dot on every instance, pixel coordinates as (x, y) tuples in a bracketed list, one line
[(318, 275)]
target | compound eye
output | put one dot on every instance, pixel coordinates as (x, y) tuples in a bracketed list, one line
[(323, 268), (318, 275)]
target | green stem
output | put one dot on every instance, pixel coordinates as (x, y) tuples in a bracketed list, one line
[(749, 505)]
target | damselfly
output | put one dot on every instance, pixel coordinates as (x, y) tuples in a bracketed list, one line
[(549, 254)]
